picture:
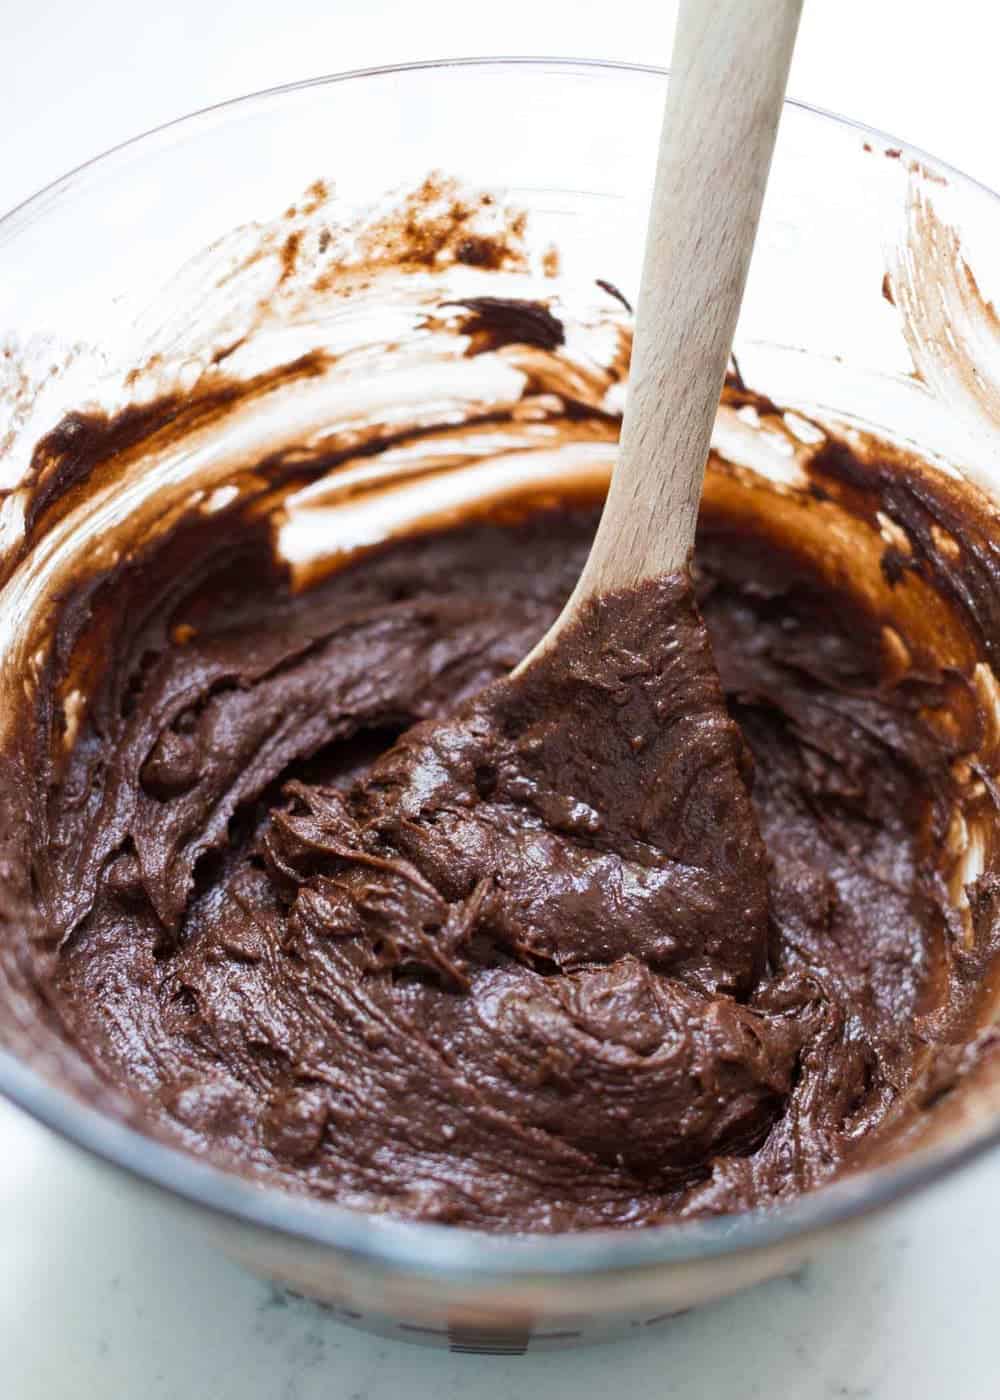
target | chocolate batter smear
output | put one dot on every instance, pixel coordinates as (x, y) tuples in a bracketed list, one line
[(520, 968), (681, 920)]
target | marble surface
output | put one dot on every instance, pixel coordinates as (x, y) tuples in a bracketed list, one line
[(101, 1297)]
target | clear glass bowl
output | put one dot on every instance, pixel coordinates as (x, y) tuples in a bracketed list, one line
[(573, 143)]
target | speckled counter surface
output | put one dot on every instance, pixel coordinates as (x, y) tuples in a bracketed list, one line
[(102, 1296)]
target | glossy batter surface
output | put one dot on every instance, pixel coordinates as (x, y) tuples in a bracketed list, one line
[(522, 969)]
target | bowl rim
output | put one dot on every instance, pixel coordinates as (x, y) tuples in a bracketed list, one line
[(162, 130), (386, 1242)]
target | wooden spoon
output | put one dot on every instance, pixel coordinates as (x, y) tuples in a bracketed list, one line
[(729, 71), (573, 849)]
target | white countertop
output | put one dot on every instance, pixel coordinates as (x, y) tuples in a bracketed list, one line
[(101, 1298)]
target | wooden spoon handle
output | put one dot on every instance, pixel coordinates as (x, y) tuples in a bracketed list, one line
[(730, 67)]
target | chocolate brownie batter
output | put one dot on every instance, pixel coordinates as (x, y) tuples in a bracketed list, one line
[(325, 896)]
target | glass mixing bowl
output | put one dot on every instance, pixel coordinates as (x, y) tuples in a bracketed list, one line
[(868, 302)]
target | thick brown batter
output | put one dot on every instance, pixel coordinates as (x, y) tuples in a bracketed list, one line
[(516, 971), (324, 897)]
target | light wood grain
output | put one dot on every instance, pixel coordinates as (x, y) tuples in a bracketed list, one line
[(729, 70)]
